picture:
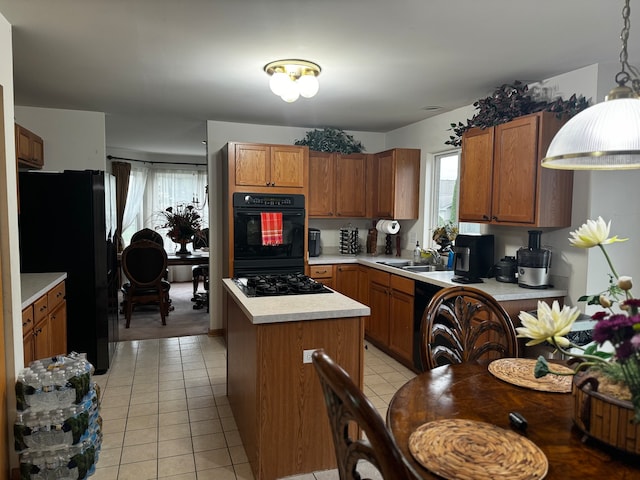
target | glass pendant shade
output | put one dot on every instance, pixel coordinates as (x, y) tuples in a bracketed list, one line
[(278, 82), (308, 85), (605, 136), (290, 93)]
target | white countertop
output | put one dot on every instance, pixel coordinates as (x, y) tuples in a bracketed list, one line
[(34, 285), (499, 290), (292, 308)]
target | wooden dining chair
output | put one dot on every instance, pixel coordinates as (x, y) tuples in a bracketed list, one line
[(464, 324), (144, 263), (349, 410), (147, 234)]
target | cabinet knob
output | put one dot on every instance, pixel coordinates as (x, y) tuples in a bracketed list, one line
[(495, 218), (485, 217)]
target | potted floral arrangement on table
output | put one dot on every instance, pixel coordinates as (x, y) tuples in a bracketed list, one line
[(183, 222), (603, 380)]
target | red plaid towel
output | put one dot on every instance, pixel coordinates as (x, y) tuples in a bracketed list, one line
[(271, 223)]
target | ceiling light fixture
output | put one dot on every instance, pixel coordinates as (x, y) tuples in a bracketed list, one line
[(605, 136), (292, 78)]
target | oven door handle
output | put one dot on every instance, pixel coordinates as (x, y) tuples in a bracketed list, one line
[(256, 213)]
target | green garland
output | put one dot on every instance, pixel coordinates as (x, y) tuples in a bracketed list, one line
[(331, 140)]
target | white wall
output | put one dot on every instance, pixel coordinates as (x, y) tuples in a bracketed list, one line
[(73, 139)]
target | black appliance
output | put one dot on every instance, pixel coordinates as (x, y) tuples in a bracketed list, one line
[(534, 263), (473, 258), (279, 284), (314, 242), (424, 292), (67, 223), (250, 256), (506, 270)]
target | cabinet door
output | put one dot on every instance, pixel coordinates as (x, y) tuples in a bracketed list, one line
[(347, 280), (515, 167), (363, 284), (252, 165), (58, 329), (351, 185), (23, 144), (322, 180), (384, 185), (378, 324), (42, 339), (401, 318), (27, 334), (476, 175), (287, 167)]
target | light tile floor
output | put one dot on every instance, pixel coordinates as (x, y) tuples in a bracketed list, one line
[(166, 415)]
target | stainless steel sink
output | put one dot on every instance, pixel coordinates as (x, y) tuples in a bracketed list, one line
[(419, 268), (395, 263)]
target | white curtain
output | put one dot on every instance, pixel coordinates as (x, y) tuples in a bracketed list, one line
[(155, 187), (133, 209)]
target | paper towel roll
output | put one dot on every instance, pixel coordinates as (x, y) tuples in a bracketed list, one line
[(388, 226)]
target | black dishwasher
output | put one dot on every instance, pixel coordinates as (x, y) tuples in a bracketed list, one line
[(423, 294)]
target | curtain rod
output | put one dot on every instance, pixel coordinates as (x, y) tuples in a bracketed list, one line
[(111, 157)]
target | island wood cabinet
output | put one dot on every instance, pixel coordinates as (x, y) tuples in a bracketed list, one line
[(502, 181), (394, 181), (256, 167), (390, 325), (323, 274), (337, 185), (29, 148), (44, 325)]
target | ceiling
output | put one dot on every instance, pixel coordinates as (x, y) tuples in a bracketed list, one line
[(160, 68)]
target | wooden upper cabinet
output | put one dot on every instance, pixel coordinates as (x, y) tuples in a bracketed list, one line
[(322, 184), (265, 167), (502, 181), (337, 185), (351, 185), (29, 148), (395, 179)]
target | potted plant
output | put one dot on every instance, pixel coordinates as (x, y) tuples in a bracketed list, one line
[(331, 140), (509, 101), (604, 381), (444, 235), (183, 222)]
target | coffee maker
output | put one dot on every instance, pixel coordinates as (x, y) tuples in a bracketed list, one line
[(314, 242), (534, 263), (473, 258)]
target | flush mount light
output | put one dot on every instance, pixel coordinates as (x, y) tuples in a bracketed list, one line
[(292, 78), (605, 136)]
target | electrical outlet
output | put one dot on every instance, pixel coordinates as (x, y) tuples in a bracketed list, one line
[(306, 355)]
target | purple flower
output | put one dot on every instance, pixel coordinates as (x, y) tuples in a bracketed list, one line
[(635, 341), (607, 329), (624, 350)]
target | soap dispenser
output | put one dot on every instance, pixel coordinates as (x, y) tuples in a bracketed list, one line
[(417, 253)]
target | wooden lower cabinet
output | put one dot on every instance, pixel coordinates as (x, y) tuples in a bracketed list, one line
[(347, 279), (44, 325), (323, 274), (390, 326), (276, 398)]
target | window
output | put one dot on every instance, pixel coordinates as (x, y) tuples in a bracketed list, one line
[(445, 192), (154, 188)]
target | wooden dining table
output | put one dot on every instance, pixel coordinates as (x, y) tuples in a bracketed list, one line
[(470, 391)]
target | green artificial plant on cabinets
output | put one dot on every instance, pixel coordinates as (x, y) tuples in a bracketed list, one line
[(331, 140), (509, 101)]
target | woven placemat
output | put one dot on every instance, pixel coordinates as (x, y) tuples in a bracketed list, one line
[(519, 371), (459, 449)]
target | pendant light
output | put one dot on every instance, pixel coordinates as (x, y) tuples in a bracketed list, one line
[(605, 136)]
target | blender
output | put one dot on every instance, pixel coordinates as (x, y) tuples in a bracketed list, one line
[(534, 263)]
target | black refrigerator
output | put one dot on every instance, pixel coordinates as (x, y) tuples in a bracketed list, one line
[(67, 222)]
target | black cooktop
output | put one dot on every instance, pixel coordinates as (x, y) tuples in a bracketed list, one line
[(280, 284)]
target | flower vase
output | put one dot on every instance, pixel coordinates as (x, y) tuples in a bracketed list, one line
[(604, 417), (183, 247)]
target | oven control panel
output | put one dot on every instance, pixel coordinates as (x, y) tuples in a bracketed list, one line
[(267, 200)]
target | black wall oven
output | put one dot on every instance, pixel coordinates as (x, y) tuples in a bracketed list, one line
[(250, 255)]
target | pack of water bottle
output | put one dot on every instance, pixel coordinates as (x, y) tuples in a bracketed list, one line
[(57, 431), (53, 382)]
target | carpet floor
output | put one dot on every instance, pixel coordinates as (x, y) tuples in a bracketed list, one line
[(182, 321)]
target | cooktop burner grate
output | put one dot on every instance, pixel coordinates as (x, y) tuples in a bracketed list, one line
[(280, 284)]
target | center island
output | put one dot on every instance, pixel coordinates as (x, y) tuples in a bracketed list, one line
[(273, 389)]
